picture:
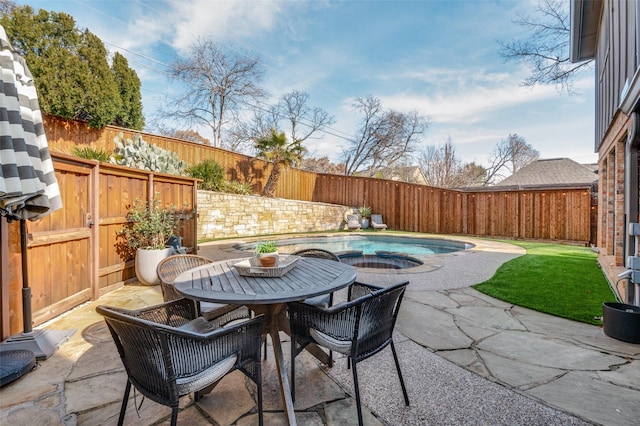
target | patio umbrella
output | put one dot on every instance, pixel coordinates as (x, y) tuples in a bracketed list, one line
[(28, 186)]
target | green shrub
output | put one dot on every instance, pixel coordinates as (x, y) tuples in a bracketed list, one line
[(148, 227), (211, 173), (89, 153), (235, 187)]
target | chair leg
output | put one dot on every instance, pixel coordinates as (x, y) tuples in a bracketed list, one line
[(265, 348), (293, 371), (125, 401), (174, 416), (356, 388), (404, 389), (260, 414)]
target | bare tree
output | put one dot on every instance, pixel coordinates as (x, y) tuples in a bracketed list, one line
[(546, 49), (509, 156), (472, 174), (442, 167), (218, 85), (191, 136), (304, 120), (159, 127), (322, 165), (439, 164), (384, 137), (291, 112)]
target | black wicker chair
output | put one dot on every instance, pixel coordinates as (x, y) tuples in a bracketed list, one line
[(168, 351), (324, 300), (358, 328), (169, 269)]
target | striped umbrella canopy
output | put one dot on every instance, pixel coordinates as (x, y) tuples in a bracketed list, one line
[(28, 186)]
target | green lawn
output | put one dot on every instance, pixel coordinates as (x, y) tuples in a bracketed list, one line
[(560, 280)]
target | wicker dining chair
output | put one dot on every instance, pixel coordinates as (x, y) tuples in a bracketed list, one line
[(324, 300), (358, 328), (169, 269), (168, 351)]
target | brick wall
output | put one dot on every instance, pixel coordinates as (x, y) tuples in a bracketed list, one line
[(611, 192), (223, 215)]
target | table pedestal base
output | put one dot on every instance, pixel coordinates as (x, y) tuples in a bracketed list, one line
[(272, 327)]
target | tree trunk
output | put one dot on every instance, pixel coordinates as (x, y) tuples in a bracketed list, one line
[(270, 187)]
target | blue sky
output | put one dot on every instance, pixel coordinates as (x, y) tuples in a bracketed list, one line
[(439, 57)]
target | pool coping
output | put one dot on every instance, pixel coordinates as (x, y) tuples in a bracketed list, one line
[(430, 262)]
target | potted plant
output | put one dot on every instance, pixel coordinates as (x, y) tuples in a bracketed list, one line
[(364, 212), (145, 235), (266, 253)]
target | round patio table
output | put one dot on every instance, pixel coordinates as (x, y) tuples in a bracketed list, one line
[(220, 282)]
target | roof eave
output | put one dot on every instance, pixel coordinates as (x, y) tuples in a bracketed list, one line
[(585, 18)]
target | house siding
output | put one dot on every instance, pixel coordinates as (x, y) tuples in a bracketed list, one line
[(616, 64), (616, 61)]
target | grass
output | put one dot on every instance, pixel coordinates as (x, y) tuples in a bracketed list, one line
[(560, 280)]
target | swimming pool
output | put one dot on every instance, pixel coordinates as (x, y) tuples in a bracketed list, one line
[(368, 244)]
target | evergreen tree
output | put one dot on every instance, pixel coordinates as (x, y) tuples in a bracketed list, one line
[(102, 98), (70, 67), (130, 115)]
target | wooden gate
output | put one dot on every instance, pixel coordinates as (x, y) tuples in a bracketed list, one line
[(60, 252), (71, 253)]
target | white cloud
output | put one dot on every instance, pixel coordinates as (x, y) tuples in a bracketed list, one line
[(467, 95), (233, 19)]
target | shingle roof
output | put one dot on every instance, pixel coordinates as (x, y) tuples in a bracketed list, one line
[(553, 172)]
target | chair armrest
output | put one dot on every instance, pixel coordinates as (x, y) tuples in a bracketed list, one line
[(173, 314), (198, 351)]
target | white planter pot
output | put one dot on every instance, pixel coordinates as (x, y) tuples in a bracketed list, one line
[(147, 263)]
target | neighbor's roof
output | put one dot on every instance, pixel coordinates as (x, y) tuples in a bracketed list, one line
[(553, 172)]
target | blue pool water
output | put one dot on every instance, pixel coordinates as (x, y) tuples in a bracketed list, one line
[(368, 244)]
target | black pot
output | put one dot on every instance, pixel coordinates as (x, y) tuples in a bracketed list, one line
[(621, 321)]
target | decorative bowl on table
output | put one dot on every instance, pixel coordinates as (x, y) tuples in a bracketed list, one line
[(251, 268)]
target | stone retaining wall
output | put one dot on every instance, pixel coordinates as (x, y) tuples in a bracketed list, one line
[(222, 215)]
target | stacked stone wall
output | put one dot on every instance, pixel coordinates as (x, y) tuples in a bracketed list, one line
[(222, 215)]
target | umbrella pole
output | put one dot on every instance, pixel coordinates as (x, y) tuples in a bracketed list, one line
[(26, 290), (43, 343)]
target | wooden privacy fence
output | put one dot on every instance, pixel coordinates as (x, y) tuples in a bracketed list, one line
[(558, 213), (72, 255), (555, 214)]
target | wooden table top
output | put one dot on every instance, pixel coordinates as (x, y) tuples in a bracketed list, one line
[(220, 282)]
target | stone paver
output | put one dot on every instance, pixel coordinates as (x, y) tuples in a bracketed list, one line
[(584, 394), (430, 327)]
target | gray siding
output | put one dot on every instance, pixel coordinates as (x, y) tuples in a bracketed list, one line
[(617, 60)]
